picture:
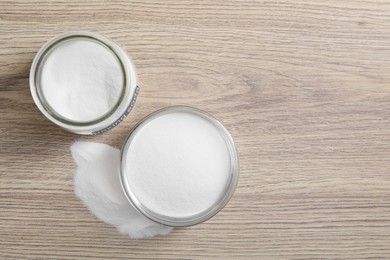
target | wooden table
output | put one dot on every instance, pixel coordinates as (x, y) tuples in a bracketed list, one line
[(303, 86)]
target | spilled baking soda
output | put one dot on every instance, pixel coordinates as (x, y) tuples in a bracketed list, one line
[(97, 185)]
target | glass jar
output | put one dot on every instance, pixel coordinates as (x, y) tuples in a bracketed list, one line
[(124, 104), (229, 182)]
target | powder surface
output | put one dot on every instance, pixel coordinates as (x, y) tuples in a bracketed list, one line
[(178, 165), (81, 79), (97, 185)]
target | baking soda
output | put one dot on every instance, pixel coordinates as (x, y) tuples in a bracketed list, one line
[(175, 168), (97, 185), (178, 165), (81, 79)]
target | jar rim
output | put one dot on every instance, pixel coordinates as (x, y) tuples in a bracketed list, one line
[(224, 196), (128, 88)]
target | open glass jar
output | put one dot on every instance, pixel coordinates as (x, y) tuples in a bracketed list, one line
[(52, 57), (179, 166)]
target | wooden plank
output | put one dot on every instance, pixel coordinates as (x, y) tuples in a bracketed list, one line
[(303, 86)]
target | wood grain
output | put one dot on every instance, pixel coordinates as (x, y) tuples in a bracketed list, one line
[(303, 86)]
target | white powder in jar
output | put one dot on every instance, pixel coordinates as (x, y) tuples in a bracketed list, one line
[(81, 79), (177, 165)]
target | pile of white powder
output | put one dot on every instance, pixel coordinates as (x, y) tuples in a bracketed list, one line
[(97, 184), (81, 79)]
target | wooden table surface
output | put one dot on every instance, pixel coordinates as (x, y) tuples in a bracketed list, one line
[(303, 86)]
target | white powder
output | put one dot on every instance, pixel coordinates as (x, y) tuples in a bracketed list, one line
[(178, 165), (97, 184), (81, 79)]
